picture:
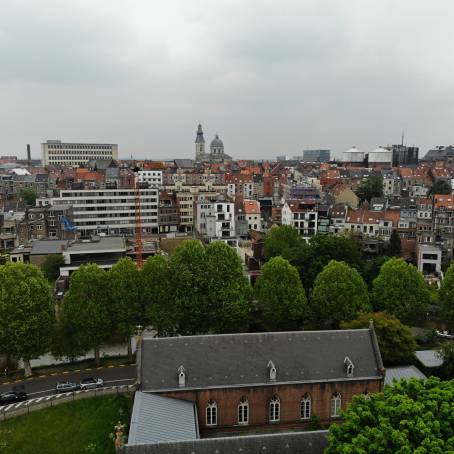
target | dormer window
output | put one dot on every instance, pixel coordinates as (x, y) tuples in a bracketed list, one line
[(272, 370), (349, 366), (181, 376)]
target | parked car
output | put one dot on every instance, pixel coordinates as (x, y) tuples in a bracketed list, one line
[(91, 383), (12, 397), (66, 386)]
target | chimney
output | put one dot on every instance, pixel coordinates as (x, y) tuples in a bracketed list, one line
[(29, 154)]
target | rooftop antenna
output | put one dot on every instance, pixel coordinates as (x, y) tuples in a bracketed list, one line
[(402, 138)]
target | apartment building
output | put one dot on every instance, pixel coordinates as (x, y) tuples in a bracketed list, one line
[(216, 221), (252, 214), (301, 215), (56, 152), (110, 211), (152, 177)]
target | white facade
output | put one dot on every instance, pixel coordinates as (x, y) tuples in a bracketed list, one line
[(429, 259), (305, 221), (56, 152), (216, 220), (152, 177), (110, 211), (353, 155), (380, 156)]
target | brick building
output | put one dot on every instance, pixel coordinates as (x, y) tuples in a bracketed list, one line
[(263, 382)]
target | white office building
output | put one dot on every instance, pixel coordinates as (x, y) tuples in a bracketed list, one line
[(152, 177), (110, 211), (56, 152)]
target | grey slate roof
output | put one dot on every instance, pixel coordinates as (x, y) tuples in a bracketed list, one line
[(43, 247), (277, 443), (227, 360), (397, 373), (155, 419), (429, 358)]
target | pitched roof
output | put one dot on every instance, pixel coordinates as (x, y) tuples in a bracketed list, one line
[(429, 358), (299, 356), (400, 372), (277, 443), (155, 419), (251, 207), (44, 247)]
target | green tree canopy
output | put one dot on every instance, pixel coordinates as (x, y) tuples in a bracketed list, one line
[(51, 266), (411, 417), (86, 310), (281, 295), (447, 355), (339, 294), (371, 268), (397, 345), (190, 287), (27, 314), (395, 246), (125, 294), (372, 186), (28, 195), (228, 289), (284, 241), (446, 296), (441, 187), (400, 290), (157, 295)]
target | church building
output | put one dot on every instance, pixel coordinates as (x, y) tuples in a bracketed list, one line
[(216, 154)]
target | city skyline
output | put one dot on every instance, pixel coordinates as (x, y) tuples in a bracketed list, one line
[(272, 79)]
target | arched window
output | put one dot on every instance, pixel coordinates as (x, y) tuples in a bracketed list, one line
[(243, 411), (275, 409), (212, 413), (336, 402), (306, 407)]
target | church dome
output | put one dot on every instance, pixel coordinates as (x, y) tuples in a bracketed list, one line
[(217, 142)]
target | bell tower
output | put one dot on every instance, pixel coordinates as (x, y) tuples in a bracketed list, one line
[(199, 144)]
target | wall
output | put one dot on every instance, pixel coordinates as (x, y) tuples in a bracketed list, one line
[(259, 397)]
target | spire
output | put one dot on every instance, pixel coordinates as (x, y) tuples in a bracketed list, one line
[(199, 138)]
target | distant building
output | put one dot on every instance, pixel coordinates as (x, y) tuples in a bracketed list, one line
[(440, 153), (56, 152), (316, 155), (353, 156), (252, 214), (302, 216), (152, 177), (404, 156), (380, 157), (216, 154)]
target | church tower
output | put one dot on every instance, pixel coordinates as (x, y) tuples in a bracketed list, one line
[(199, 144)]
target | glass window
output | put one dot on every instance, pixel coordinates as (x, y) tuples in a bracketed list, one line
[(336, 402), (243, 411), (212, 414), (306, 407), (275, 409)]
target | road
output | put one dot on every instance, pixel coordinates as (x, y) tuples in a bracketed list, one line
[(44, 385)]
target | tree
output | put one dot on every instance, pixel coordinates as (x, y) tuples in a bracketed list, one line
[(28, 195), (446, 296), (440, 187), (160, 308), (415, 416), (395, 246), (228, 289), (190, 287), (446, 370), (86, 308), (27, 314), (284, 241), (281, 295), (125, 291), (400, 290), (323, 249), (371, 268), (338, 295), (51, 266), (397, 345), (372, 186)]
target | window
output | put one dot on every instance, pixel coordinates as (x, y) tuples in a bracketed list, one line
[(243, 411), (306, 407), (275, 409), (212, 414), (336, 402)]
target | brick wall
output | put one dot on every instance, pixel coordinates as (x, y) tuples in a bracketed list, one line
[(259, 397)]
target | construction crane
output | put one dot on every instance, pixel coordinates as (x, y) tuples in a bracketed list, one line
[(138, 248)]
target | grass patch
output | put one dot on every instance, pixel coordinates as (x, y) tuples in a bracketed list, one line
[(76, 427)]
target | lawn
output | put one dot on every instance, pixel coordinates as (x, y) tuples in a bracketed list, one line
[(77, 427)]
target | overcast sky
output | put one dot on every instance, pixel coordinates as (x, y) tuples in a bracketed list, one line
[(271, 77)]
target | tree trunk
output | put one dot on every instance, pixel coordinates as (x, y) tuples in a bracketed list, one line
[(129, 349), (27, 368), (97, 357)]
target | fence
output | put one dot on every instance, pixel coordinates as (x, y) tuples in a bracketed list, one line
[(25, 407)]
